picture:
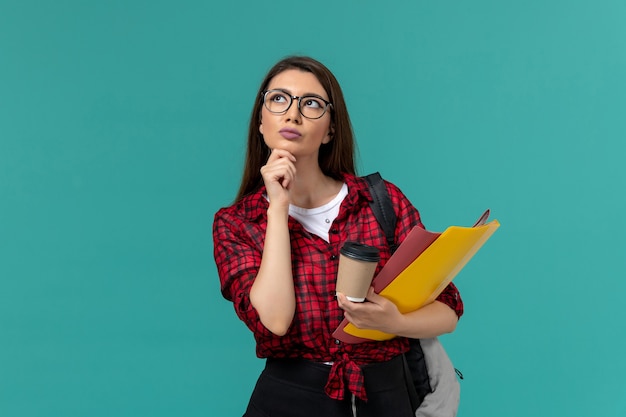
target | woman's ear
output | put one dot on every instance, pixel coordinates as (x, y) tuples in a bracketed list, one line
[(329, 135), (261, 127)]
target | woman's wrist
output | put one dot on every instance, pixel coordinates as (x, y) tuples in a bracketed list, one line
[(278, 211)]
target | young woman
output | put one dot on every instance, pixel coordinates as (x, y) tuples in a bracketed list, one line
[(277, 252)]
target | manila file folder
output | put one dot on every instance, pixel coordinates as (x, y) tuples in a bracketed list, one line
[(420, 269)]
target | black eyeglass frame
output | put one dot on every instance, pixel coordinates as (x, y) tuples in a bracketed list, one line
[(299, 98)]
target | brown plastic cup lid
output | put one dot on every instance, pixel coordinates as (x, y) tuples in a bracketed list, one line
[(360, 252)]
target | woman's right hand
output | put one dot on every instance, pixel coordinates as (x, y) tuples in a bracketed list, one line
[(278, 174)]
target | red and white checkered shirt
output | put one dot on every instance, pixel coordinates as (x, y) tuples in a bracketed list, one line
[(238, 236)]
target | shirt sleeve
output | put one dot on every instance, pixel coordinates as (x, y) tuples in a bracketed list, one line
[(238, 258), (451, 297)]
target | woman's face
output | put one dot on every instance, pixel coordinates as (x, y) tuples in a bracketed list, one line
[(290, 130)]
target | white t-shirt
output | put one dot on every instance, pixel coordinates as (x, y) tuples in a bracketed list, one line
[(319, 219)]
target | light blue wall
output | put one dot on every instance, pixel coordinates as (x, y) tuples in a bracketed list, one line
[(122, 127)]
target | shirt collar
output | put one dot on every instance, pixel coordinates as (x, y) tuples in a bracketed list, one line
[(255, 205), (358, 191)]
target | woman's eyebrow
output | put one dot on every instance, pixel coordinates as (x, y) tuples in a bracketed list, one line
[(285, 90)]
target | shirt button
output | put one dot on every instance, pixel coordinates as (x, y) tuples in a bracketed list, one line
[(333, 257), (337, 341)]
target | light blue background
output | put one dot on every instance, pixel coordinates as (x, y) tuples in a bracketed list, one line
[(122, 129)]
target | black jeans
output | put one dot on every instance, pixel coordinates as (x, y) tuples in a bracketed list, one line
[(295, 388)]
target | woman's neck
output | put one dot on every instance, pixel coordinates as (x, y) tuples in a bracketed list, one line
[(312, 188)]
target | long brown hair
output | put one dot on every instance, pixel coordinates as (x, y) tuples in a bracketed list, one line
[(335, 158)]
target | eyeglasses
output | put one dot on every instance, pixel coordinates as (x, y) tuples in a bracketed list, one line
[(311, 107)]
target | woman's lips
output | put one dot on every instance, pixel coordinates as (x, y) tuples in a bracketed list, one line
[(289, 133)]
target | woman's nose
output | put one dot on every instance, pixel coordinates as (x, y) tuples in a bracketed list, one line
[(293, 112)]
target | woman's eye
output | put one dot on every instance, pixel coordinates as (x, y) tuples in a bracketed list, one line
[(313, 103), (279, 98)]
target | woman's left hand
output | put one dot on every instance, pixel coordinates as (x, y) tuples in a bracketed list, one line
[(376, 313)]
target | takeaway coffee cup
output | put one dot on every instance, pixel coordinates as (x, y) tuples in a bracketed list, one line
[(357, 263)]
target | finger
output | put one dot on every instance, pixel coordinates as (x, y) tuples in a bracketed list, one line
[(280, 153), (373, 297), (280, 163), (349, 317), (341, 300), (346, 304), (290, 174), (281, 170)]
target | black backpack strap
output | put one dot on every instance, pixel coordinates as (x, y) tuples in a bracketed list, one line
[(383, 208), (386, 216)]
